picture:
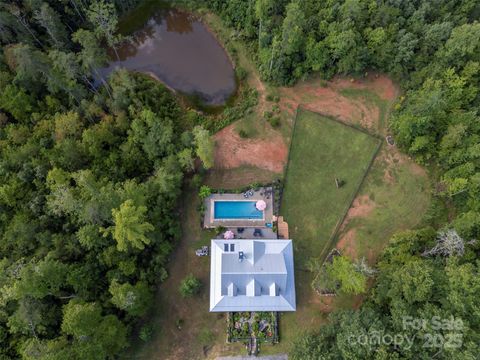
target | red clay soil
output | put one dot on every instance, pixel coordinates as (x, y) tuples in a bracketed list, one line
[(347, 244), (232, 151), (327, 99), (362, 206), (270, 152)]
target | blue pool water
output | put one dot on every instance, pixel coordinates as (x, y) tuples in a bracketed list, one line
[(236, 210)]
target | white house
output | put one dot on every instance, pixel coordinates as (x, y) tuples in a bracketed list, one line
[(252, 275)]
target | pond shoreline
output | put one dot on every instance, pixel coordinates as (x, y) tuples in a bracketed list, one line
[(178, 48)]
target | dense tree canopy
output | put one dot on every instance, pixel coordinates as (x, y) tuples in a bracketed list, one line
[(409, 287), (90, 175), (89, 179)]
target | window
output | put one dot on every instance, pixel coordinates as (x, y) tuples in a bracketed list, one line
[(232, 247), (225, 247)]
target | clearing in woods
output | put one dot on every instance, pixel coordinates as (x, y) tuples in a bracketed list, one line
[(393, 197)]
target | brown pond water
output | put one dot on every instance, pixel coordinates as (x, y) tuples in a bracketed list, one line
[(178, 49)]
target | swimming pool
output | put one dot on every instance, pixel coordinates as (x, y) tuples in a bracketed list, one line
[(224, 210)]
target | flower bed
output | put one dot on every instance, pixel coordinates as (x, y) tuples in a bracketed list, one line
[(242, 326)]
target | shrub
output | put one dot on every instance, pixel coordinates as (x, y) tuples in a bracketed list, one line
[(191, 119), (255, 328), (146, 333), (190, 286), (243, 134), (201, 208), (220, 229), (275, 121), (204, 192), (245, 330), (273, 98), (196, 181), (241, 73)]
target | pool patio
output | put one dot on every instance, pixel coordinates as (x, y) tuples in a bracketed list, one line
[(249, 233), (264, 194)]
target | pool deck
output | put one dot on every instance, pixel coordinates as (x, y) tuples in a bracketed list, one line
[(210, 222), (249, 233)]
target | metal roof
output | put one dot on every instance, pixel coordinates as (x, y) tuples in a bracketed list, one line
[(257, 276)]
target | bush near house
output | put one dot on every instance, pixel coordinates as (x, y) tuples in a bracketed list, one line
[(190, 286)]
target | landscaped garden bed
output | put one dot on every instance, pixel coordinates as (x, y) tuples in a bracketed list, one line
[(242, 326)]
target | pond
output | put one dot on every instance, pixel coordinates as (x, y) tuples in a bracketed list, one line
[(176, 48)]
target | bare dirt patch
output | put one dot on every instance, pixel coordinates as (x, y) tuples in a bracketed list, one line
[(327, 100), (325, 97), (232, 151), (362, 206), (391, 159), (325, 304), (347, 245)]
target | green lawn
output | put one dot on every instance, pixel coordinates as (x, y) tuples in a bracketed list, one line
[(322, 150)]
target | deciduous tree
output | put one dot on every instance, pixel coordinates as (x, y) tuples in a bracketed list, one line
[(131, 229)]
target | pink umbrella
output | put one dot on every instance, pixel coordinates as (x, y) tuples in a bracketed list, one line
[(261, 205), (228, 235)]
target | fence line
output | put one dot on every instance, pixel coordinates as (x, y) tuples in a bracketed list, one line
[(332, 239)]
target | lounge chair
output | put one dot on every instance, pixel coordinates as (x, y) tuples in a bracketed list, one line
[(202, 252)]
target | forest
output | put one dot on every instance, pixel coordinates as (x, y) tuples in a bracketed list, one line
[(90, 178), (432, 48), (90, 175)]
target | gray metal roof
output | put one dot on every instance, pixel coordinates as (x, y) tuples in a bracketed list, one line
[(260, 280)]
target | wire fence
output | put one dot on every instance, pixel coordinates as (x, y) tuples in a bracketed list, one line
[(333, 237)]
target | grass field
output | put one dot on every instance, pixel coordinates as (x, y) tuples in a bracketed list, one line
[(322, 150)]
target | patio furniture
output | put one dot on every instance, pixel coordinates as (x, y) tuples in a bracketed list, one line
[(257, 233), (202, 252), (240, 230)]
